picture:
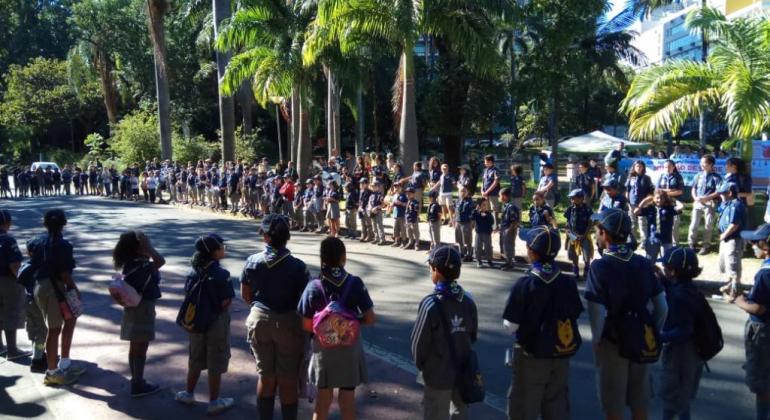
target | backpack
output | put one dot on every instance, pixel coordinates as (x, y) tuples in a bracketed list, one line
[(123, 293), (197, 313), (637, 337), (335, 325), (707, 334), (559, 336)]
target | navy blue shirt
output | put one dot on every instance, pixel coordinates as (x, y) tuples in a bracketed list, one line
[(418, 180), (706, 183), (511, 215), (672, 181), (742, 181), (277, 280), (143, 277), (639, 187), (579, 219), (490, 175), (464, 210), (375, 202), (617, 202), (52, 256), (760, 293), (318, 293), (217, 287), (434, 212), (364, 199), (413, 211), (533, 296), (484, 221), (732, 212), (619, 177), (545, 180), (517, 186), (682, 299), (399, 210), (665, 224), (537, 215), (585, 183), (351, 200), (447, 184), (9, 253)]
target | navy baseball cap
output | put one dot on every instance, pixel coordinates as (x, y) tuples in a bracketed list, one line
[(577, 192), (542, 240), (761, 234), (273, 220), (209, 243), (680, 257), (610, 183), (445, 257), (505, 191), (614, 220), (728, 187)]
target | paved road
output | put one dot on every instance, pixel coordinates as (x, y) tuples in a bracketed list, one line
[(396, 279)]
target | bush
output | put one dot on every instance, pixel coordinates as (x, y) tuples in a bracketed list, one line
[(192, 149), (61, 157), (251, 147), (135, 138)]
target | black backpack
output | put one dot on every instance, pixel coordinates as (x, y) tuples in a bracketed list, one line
[(198, 312), (637, 336), (707, 334)]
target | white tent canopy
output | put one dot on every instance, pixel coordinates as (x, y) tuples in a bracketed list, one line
[(597, 142)]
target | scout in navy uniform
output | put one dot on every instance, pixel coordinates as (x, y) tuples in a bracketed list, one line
[(672, 184), (483, 222), (612, 198), (540, 213), (490, 188), (307, 206), (737, 173), (462, 225), (375, 208), (638, 187), (210, 350), (139, 263), (272, 282), (733, 218), (757, 332), (367, 234), (682, 365), (430, 350), (509, 225), (617, 283), (412, 220), (399, 215), (351, 210), (318, 203), (518, 186), (332, 201), (11, 293), (585, 182), (445, 188), (579, 242), (36, 329), (542, 311), (343, 367), (549, 185), (613, 173), (660, 222), (434, 219), (54, 263), (704, 195)]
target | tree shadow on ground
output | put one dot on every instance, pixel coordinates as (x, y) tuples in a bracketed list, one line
[(9, 407)]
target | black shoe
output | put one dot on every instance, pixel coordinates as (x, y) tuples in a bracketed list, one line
[(39, 365), (143, 389)]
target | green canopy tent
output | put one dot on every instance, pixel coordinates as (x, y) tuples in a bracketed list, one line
[(598, 142)]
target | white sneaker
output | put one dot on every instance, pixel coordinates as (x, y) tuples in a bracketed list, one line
[(221, 405), (185, 397)]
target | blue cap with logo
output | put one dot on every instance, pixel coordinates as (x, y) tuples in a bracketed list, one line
[(761, 234), (680, 257), (577, 192), (728, 187), (610, 183), (613, 220), (543, 240), (445, 256)]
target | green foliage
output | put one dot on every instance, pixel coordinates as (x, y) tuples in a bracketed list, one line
[(192, 149), (136, 139), (252, 147), (62, 156)]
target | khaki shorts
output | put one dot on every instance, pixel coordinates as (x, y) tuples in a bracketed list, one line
[(730, 254), (211, 350), (622, 383), (539, 387), (277, 341), (445, 200), (12, 298), (36, 330), (45, 297)]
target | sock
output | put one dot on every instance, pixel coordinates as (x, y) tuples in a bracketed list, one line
[(38, 351), (138, 371), (289, 411), (64, 363), (265, 407), (763, 407)]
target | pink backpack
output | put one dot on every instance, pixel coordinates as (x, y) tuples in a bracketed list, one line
[(335, 325)]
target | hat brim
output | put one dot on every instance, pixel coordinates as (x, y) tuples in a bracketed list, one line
[(596, 217), (523, 233), (752, 235)]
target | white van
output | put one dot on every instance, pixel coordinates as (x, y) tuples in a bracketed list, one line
[(44, 165)]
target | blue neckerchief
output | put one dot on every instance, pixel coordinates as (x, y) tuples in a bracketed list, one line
[(621, 251), (449, 289), (335, 275), (545, 271), (273, 256)]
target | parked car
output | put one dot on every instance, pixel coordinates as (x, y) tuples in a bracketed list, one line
[(44, 165), (470, 143)]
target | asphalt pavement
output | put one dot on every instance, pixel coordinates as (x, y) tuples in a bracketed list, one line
[(397, 280)]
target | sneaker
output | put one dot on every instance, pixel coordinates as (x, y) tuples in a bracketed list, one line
[(17, 354), (220, 406), (184, 397), (59, 377), (75, 370), (38, 365), (479, 265), (143, 389), (704, 251)]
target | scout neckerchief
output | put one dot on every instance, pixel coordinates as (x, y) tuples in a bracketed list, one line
[(765, 265), (546, 272), (274, 256), (620, 251), (451, 289), (334, 275)]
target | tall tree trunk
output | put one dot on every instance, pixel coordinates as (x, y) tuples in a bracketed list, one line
[(360, 120), (452, 96), (246, 98), (156, 10), (226, 103), (407, 135), (553, 126), (704, 57), (295, 123), (104, 65), (333, 99), (278, 131), (304, 146)]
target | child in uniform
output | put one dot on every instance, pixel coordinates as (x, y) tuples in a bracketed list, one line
[(375, 209), (518, 187), (540, 213), (333, 208), (733, 218), (483, 221), (399, 215), (367, 234), (441, 398), (36, 329), (612, 198), (412, 220), (210, 350), (351, 210), (542, 311), (462, 225), (318, 203), (509, 224), (434, 219), (11, 293), (660, 222), (579, 225), (756, 335), (308, 207), (297, 205)]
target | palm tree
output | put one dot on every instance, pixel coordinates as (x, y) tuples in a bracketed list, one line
[(156, 10), (735, 80), (221, 9), (267, 38)]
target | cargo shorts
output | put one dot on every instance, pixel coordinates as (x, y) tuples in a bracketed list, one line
[(277, 342)]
